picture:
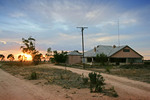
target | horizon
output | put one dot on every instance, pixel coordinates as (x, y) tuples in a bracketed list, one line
[(53, 24)]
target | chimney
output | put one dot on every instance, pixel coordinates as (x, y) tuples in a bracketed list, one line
[(114, 46), (94, 49)]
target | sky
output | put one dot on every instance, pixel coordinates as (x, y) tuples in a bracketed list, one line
[(53, 23)]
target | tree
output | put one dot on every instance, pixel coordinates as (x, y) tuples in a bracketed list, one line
[(20, 58), (102, 58), (60, 57), (37, 58), (29, 48), (49, 50), (48, 55), (2, 57), (11, 57)]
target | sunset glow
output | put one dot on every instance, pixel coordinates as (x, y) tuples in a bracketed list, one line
[(27, 57), (129, 24)]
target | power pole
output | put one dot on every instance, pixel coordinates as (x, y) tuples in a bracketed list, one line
[(82, 29), (118, 34)]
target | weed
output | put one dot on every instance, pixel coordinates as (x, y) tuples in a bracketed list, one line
[(107, 69), (110, 92), (85, 79), (97, 85), (96, 82), (33, 76), (51, 79)]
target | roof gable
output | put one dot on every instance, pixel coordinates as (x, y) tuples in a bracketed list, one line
[(74, 53), (134, 53)]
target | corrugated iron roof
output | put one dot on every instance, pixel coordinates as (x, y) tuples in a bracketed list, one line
[(75, 53), (107, 50)]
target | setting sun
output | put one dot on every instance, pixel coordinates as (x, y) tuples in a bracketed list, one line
[(29, 57), (26, 56)]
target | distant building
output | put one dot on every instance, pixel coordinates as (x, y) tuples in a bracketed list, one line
[(74, 57), (116, 54)]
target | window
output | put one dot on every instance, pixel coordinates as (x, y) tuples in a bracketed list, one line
[(126, 50)]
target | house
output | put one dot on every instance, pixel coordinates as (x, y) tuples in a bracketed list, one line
[(116, 54), (74, 57)]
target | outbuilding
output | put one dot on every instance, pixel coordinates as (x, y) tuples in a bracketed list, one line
[(74, 57)]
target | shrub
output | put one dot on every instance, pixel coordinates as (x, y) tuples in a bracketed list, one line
[(52, 60), (102, 58), (147, 63), (110, 92), (96, 82), (60, 57), (33, 76), (85, 79), (135, 66), (37, 59), (107, 69)]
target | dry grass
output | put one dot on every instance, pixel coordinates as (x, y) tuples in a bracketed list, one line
[(64, 78), (136, 72)]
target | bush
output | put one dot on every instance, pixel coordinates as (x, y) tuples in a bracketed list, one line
[(102, 58), (147, 63), (107, 69), (33, 76), (85, 79), (60, 57), (110, 92), (96, 82), (52, 60), (135, 66), (37, 59)]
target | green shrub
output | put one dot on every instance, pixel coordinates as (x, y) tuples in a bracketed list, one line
[(60, 57), (135, 66), (107, 69), (96, 82), (101, 58), (85, 79), (33, 76), (147, 63)]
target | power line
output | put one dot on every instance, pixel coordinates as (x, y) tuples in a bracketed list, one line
[(82, 29)]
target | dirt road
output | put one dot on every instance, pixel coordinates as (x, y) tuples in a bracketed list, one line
[(126, 88), (12, 88)]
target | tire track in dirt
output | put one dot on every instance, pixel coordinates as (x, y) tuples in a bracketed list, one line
[(125, 87), (12, 88)]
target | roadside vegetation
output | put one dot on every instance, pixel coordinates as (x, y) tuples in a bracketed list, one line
[(139, 72), (28, 71), (97, 84), (64, 78)]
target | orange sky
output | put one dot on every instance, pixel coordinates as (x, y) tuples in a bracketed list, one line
[(18, 52)]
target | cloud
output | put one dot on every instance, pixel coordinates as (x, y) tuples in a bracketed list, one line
[(4, 42), (53, 23), (9, 46), (18, 14)]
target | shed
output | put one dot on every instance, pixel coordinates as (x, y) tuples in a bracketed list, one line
[(74, 57)]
